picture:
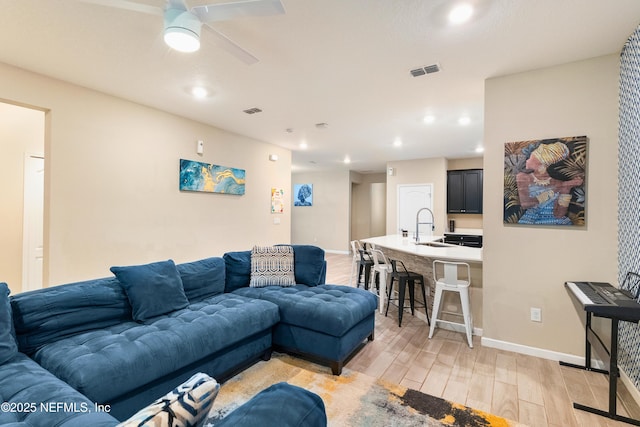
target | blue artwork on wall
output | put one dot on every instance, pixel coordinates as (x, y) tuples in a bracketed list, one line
[(303, 194), (198, 176)]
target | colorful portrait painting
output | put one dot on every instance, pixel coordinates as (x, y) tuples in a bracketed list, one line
[(198, 176), (303, 194), (544, 181)]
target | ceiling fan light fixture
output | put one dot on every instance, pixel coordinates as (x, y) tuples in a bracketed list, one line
[(182, 30)]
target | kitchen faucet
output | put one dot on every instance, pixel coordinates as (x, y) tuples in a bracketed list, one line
[(433, 226)]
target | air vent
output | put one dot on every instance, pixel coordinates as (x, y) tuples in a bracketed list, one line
[(253, 110), (428, 69)]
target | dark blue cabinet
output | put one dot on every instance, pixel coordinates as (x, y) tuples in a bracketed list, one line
[(464, 191)]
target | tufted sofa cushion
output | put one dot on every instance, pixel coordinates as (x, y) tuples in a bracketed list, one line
[(330, 309), (106, 363), (47, 315), (24, 382)]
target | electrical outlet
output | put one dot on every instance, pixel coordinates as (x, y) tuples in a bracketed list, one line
[(536, 314)]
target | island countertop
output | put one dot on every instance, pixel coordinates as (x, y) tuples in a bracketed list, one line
[(408, 245)]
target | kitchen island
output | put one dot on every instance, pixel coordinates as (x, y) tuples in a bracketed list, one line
[(420, 257)]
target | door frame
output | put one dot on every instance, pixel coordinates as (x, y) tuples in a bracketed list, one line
[(27, 225)]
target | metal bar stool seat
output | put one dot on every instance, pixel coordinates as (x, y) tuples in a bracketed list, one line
[(449, 281), (404, 278)]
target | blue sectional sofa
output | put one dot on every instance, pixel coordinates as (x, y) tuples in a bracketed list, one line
[(124, 341)]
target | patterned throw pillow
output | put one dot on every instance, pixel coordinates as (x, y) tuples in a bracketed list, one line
[(185, 405), (272, 265)]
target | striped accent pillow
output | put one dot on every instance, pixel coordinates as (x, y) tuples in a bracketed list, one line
[(272, 266), (185, 405)]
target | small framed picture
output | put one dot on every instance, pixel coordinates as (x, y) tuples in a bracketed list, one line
[(303, 194)]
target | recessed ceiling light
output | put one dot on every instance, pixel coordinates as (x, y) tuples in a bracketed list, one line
[(199, 92), (464, 121), (303, 145), (460, 13), (397, 142), (347, 159), (479, 149), (428, 119)]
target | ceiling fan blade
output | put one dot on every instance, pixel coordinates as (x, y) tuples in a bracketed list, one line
[(127, 5), (228, 11), (227, 44)]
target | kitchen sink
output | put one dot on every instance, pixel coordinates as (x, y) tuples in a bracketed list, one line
[(436, 244)]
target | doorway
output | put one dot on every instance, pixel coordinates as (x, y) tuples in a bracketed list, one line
[(368, 208), (22, 136), (411, 198)]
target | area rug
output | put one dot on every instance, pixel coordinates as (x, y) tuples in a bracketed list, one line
[(352, 399)]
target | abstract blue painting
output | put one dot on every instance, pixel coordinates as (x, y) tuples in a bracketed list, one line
[(198, 176)]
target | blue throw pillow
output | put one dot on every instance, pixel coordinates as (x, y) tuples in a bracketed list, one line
[(8, 347), (238, 270), (310, 266), (152, 289), (202, 279)]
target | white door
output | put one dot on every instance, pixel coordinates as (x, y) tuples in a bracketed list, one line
[(411, 198), (33, 235)]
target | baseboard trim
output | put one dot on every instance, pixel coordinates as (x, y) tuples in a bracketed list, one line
[(534, 351), (333, 251)]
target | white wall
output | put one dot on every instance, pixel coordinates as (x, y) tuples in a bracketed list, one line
[(112, 195), (527, 266), (420, 171), (326, 223)]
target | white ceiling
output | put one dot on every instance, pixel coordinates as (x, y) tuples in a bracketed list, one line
[(341, 62)]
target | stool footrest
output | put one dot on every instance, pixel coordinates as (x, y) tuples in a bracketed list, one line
[(448, 322), (452, 313)]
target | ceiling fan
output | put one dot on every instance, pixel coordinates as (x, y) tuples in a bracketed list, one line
[(182, 24)]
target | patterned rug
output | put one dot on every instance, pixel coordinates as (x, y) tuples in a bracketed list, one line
[(352, 399)]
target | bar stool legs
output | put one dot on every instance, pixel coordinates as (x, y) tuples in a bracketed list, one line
[(466, 313), (450, 282), (404, 278)]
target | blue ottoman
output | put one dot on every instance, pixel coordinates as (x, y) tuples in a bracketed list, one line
[(282, 404), (324, 323)]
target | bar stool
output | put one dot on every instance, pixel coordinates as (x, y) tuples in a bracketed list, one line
[(449, 282), (366, 264), (381, 269), (404, 277), (355, 262)]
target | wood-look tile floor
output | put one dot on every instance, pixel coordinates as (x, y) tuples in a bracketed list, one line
[(526, 389)]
